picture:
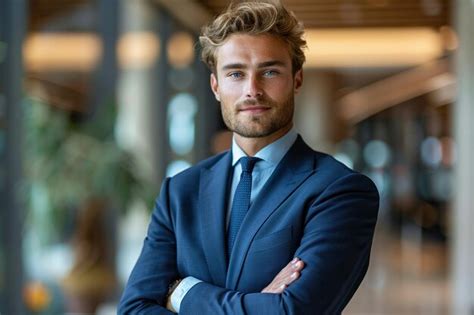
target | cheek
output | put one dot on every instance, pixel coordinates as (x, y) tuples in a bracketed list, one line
[(279, 88), (229, 91)]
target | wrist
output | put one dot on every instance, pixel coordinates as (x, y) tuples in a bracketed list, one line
[(180, 291), (173, 285)]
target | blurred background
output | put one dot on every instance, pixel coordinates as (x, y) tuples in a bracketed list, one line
[(101, 99)]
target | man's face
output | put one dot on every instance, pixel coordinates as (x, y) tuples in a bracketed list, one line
[(255, 84)]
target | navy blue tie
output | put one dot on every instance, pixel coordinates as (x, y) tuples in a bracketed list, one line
[(241, 202)]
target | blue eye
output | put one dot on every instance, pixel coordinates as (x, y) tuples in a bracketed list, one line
[(235, 75), (270, 73)]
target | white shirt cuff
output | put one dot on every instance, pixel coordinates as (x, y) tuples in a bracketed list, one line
[(183, 287)]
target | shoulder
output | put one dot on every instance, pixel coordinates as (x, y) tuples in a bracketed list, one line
[(326, 169), (329, 166), (334, 173), (192, 173)]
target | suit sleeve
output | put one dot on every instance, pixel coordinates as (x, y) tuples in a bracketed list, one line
[(335, 246), (147, 287)]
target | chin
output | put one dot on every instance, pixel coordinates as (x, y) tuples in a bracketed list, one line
[(253, 133), (256, 128)]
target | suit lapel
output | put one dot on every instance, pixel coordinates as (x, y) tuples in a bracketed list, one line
[(292, 171), (212, 208)]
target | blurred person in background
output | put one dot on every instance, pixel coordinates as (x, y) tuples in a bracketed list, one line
[(270, 226)]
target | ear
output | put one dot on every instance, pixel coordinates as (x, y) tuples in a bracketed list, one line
[(298, 80), (215, 86)]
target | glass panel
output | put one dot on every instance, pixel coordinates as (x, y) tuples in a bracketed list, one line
[(181, 120)]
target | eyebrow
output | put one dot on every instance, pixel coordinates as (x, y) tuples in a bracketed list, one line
[(265, 64)]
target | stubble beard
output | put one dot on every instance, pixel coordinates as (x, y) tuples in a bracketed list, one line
[(259, 126)]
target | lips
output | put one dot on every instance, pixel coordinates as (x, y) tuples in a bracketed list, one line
[(254, 109)]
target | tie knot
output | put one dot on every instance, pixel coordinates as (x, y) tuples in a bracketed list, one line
[(248, 163)]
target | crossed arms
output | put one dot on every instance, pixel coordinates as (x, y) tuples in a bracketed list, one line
[(335, 248)]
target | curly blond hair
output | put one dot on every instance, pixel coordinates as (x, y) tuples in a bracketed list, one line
[(254, 18)]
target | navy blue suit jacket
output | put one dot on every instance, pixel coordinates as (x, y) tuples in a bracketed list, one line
[(312, 207)]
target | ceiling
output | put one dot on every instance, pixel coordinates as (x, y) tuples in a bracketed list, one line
[(313, 13), (42, 12), (361, 13)]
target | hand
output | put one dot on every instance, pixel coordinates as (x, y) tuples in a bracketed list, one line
[(285, 277)]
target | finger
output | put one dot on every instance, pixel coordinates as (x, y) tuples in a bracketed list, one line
[(282, 288), (273, 289), (286, 281), (292, 266), (290, 279), (285, 277), (286, 274), (286, 271), (293, 277), (298, 266)]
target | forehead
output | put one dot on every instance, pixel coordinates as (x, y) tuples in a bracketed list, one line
[(252, 49)]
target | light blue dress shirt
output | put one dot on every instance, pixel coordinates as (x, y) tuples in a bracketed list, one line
[(270, 156)]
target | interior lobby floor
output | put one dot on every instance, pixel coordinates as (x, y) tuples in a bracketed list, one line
[(406, 276)]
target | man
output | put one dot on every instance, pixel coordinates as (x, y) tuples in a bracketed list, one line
[(271, 226)]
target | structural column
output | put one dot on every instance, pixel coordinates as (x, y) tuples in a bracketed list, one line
[(463, 208), (12, 25), (315, 117)]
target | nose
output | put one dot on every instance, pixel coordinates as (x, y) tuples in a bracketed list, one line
[(253, 88)]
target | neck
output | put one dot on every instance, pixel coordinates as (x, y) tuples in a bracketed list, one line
[(252, 145)]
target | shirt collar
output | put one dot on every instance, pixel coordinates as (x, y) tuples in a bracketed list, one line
[(272, 153)]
